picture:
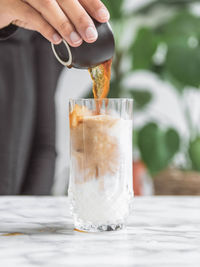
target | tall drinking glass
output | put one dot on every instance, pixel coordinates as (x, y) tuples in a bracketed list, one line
[(100, 188)]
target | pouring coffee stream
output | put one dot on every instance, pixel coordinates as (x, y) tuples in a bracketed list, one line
[(96, 57)]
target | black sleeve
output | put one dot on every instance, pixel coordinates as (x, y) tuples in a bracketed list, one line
[(8, 31)]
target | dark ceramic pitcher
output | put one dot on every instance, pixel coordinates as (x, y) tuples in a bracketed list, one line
[(87, 55)]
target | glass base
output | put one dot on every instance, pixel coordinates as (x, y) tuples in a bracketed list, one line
[(93, 228)]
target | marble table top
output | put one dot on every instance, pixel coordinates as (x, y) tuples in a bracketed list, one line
[(162, 231)]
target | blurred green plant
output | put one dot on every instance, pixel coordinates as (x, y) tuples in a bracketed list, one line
[(180, 66), (194, 153), (157, 147), (171, 50), (115, 8), (181, 36), (141, 97)]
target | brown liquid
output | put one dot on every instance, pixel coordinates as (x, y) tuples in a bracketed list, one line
[(13, 234), (100, 75), (94, 147), (96, 152), (101, 82), (101, 79)]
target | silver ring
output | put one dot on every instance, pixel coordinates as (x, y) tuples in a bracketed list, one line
[(65, 63)]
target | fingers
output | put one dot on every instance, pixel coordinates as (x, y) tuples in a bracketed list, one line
[(69, 19), (53, 13), (80, 19), (96, 9), (29, 18)]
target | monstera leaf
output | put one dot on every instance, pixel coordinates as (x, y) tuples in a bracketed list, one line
[(182, 35), (183, 25), (194, 153), (183, 63), (157, 147), (143, 49)]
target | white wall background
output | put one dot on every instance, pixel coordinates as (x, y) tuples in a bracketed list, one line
[(165, 107)]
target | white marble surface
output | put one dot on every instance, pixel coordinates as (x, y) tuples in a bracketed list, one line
[(162, 231)]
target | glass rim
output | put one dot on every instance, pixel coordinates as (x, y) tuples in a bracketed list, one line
[(99, 99)]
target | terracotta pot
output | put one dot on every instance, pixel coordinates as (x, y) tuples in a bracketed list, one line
[(177, 182), (138, 170)]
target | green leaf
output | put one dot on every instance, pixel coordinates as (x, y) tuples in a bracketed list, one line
[(157, 147), (183, 63), (183, 25), (194, 153), (141, 98), (172, 142), (182, 66), (115, 8), (143, 49), (149, 143)]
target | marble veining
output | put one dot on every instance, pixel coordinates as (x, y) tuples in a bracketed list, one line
[(162, 231)]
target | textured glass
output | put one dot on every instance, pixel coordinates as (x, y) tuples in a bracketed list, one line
[(100, 188)]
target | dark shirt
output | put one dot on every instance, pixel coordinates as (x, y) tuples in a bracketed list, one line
[(28, 79), (8, 31)]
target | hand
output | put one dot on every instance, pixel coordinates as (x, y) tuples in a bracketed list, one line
[(56, 19)]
